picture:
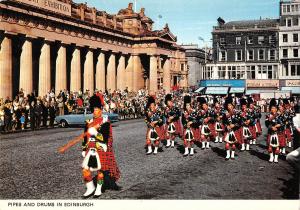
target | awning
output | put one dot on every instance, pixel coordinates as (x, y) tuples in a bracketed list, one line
[(216, 90), (237, 90), (294, 90), (199, 89)]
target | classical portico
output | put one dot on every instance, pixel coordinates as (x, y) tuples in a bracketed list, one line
[(74, 47)]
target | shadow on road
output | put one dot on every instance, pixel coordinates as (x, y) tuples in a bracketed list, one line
[(260, 155), (291, 186)]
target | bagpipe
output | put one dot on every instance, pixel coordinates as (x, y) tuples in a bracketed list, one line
[(102, 136)]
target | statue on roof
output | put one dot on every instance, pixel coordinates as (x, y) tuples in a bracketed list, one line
[(127, 11)]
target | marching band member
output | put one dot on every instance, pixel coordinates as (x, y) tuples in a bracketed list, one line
[(275, 131), (289, 125), (232, 122), (190, 125), (206, 122), (219, 125), (154, 123), (97, 151), (172, 115), (247, 121)]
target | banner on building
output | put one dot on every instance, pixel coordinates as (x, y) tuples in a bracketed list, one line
[(222, 83), (262, 83)]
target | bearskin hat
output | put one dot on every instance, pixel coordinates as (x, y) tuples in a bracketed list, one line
[(151, 100), (273, 102), (243, 101), (187, 100), (228, 100), (168, 98), (250, 100), (285, 101), (95, 102), (215, 100), (201, 100)]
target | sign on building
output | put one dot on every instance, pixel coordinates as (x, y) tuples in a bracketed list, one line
[(262, 83), (52, 5)]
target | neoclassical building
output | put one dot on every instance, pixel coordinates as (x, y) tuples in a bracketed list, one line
[(63, 45)]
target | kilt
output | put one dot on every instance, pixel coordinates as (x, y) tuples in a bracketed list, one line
[(281, 138), (212, 127), (160, 131), (258, 125), (238, 135), (178, 128), (196, 134), (253, 131), (288, 134)]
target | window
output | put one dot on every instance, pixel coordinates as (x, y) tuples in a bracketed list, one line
[(284, 9), (250, 40), (261, 54), (261, 39), (250, 55), (289, 22), (288, 8), (222, 41), (238, 55), (285, 53), (296, 22), (182, 67), (272, 54), (295, 53), (272, 39), (293, 70), (222, 56), (284, 37), (295, 37), (238, 40)]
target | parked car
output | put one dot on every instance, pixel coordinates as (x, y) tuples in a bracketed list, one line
[(79, 118)]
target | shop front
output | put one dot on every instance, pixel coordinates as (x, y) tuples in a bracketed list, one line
[(222, 87)]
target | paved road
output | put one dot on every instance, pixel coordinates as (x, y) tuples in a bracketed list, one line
[(31, 168)]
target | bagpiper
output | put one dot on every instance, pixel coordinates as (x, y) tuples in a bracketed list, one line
[(232, 122), (275, 131), (154, 121), (219, 125), (190, 125), (289, 125), (97, 151), (173, 125), (247, 120), (205, 116)]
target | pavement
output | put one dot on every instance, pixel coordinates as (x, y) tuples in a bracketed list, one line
[(31, 168)]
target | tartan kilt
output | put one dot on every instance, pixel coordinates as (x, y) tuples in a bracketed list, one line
[(288, 134), (108, 163), (281, 138), (196, 134), (212, 127), (258, 125), (253, 131), (178, 128), (160, 131), (238, 134)]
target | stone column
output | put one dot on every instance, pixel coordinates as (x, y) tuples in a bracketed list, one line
[(75, 77), (26, 80), (129, 75), (138, 80), (88, 77), (61, 69), (100, 72), (167, 75), (121, 73), (6, 67), (111, 73), (44, 69), (153, 75)]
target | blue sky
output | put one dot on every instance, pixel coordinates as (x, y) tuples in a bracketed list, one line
[(190, 19)]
